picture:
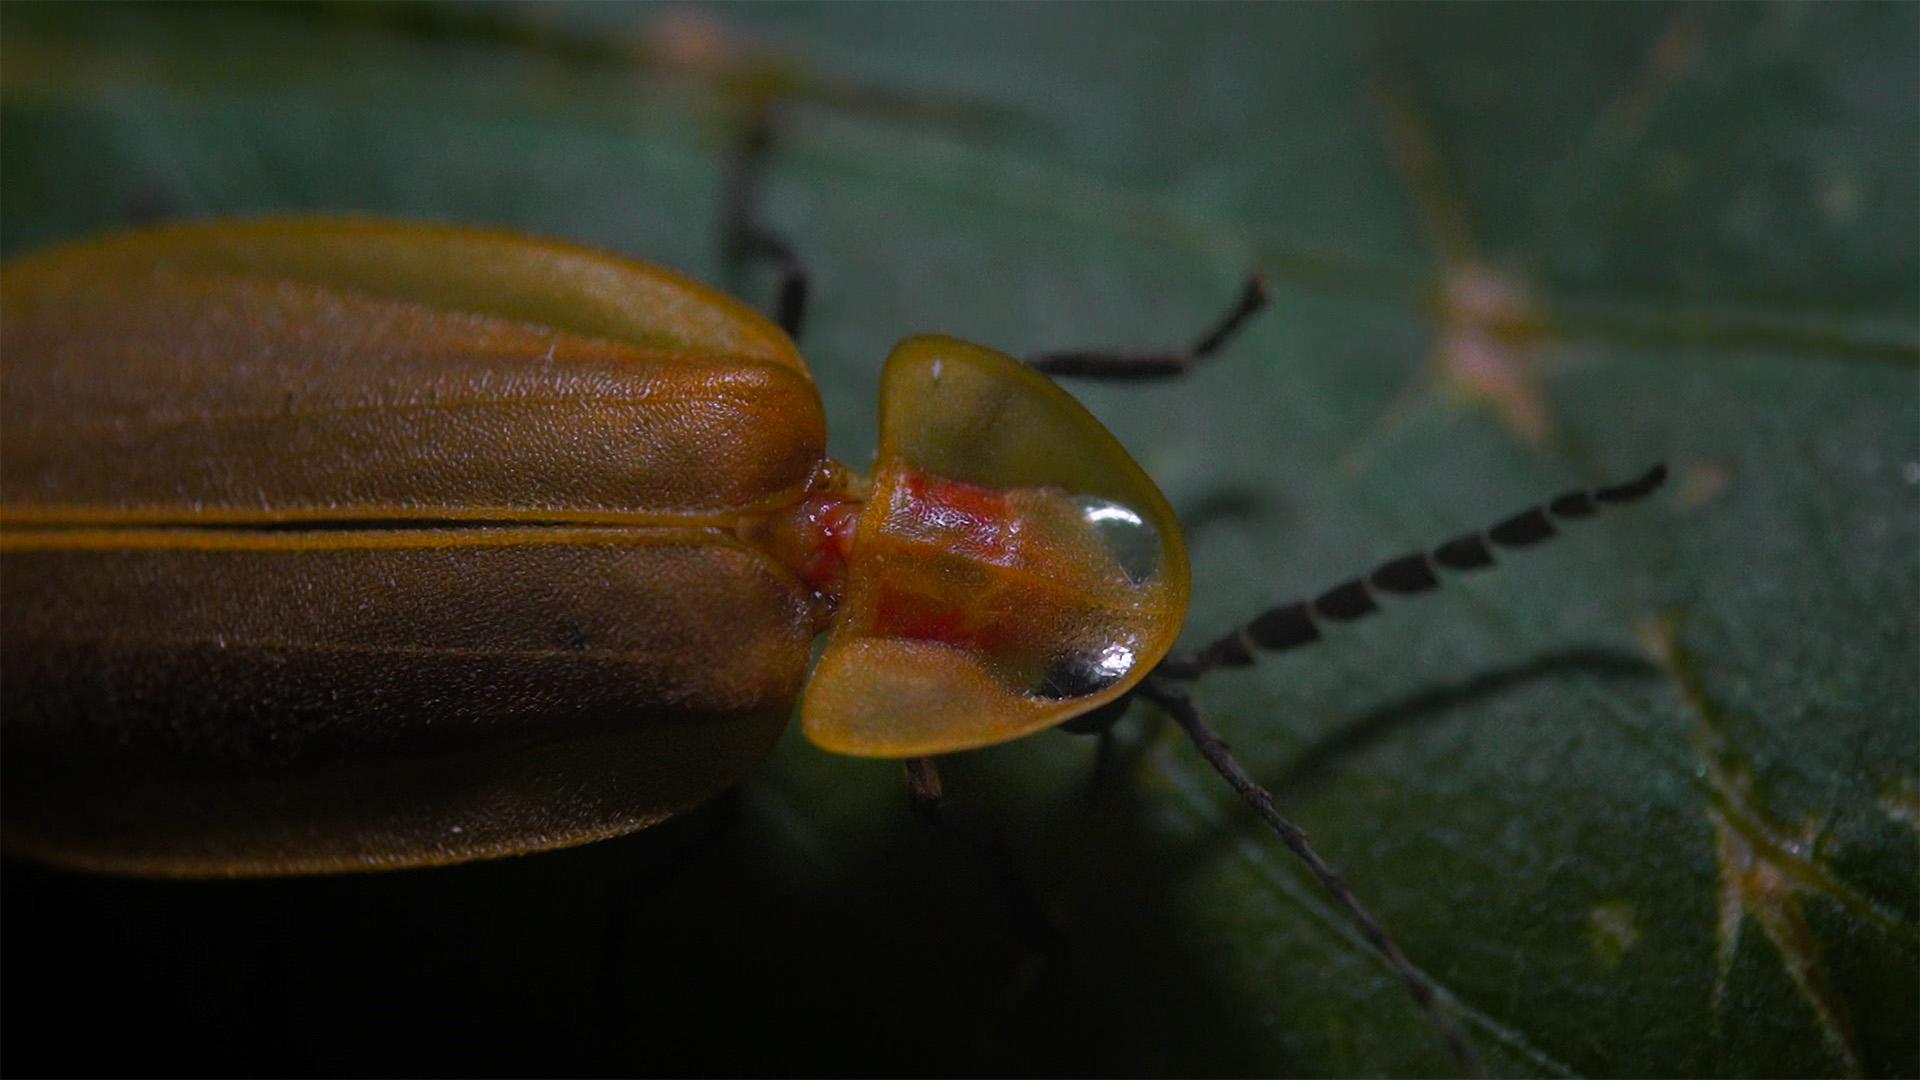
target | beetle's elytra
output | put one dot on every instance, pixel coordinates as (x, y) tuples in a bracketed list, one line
[(332, 545)]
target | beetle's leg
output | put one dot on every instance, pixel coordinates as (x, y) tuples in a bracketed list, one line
[(1220, 756), (1102, 762), (1162, 364), (982, 846), (1099, 723), (1298, 623), (923, 787), (747, 237), (671, 850), (149, 204)]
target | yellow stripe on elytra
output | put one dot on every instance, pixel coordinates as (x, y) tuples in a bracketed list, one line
[(161, 539)]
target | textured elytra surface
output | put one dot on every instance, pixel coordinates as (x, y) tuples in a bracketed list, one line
[(1643, 801)]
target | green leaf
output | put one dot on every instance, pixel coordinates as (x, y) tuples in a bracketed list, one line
[(1643, 801)]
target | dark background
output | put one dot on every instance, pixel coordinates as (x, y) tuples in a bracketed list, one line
[(1643, 802)]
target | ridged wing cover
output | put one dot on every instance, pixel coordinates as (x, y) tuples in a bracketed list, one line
[(578, 647), (342, 370)]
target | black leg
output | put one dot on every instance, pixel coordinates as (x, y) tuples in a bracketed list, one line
[(149, 204), (923, 788), (980, 843), (1163, 364), (675, 848), (1298, 623), (747, 237), (1099, 724), (1102, 763), (1220, 756)]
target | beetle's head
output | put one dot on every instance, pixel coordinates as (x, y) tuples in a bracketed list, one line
[(1012, 568)]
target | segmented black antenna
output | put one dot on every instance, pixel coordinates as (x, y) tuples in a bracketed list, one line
[(1295, 624), (1298, 623)]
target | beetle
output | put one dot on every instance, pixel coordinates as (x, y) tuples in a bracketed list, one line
[(344, 544), (337, 544)]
